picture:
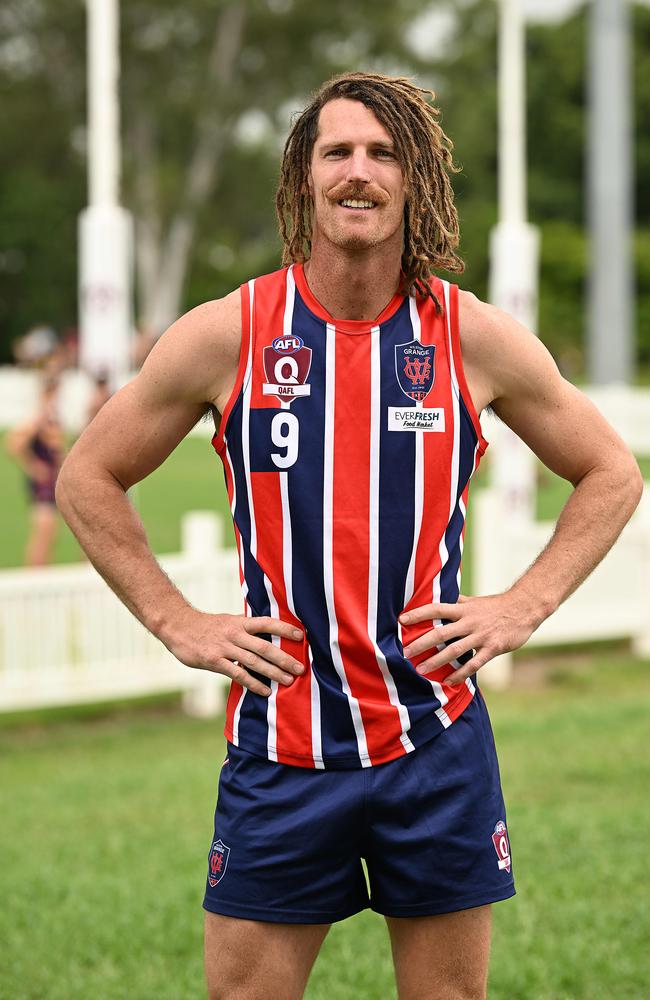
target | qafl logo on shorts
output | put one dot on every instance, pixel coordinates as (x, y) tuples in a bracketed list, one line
[(217, 862), (286, 365), (502, 845), (415, 368)]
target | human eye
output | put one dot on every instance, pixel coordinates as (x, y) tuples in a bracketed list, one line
[(334, 153)]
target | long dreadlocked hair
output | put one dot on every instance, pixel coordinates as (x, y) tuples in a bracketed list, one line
[(431, 233)]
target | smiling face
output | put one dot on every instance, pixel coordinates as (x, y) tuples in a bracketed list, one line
[(356, 181)]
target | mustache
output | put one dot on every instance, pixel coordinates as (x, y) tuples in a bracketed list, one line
[(358, 192)]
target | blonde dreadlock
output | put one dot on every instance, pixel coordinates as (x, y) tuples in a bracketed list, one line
[(431, 233)]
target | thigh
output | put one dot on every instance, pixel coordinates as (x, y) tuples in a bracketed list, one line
[(438, 837), (255, 960), (286, 845), (442, 957)]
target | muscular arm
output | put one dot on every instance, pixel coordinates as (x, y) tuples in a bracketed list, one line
[(511, 369), (192, 365)]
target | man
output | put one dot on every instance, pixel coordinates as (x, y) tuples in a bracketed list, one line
[(348, 388)]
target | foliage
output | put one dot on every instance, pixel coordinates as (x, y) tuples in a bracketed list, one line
[(176, 100)]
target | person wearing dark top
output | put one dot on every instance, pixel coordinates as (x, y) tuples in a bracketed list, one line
[(38, 447)]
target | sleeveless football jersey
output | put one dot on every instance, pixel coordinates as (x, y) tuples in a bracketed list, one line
[(348, 448)]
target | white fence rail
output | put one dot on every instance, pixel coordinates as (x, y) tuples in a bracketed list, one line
[(613, 603), (66, 638)]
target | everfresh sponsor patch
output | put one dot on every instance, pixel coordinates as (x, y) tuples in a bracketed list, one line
[(415, 418)]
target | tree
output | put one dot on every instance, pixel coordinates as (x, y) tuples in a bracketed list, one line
[(207, 91)]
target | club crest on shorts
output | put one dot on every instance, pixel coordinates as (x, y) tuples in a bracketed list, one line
[(502, 845), (286, 365), (415, 368), (217, 862)]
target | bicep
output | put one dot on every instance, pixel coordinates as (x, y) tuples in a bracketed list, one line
[(557, 421), (134, 432), (137, 428)]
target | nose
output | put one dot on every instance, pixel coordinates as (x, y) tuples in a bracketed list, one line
[(359, 167)]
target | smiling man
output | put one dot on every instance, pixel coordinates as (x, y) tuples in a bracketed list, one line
[(346, 389)]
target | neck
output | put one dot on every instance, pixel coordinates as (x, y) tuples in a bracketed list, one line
[(353, 284)]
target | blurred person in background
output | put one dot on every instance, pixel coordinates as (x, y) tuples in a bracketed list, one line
[(346, 390), (35, 347), (101, 394), (38, 446)]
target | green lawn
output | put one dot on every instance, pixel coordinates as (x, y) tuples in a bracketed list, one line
[(107, 822)]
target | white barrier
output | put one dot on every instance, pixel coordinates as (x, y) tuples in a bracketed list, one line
[(613, 603), (65, 637)]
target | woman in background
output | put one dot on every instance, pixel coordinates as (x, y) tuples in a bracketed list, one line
[(38, 447)]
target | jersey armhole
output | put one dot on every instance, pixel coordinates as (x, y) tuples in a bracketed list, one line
[(218, 439), (463, 388)]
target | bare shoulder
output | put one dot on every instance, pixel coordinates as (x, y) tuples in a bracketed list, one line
[(502, 358), (520, 379), (199, 353)]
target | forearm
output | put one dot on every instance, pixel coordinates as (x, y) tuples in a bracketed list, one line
[(111, 533), (589, 524)]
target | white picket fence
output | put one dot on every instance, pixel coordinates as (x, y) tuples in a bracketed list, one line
[(613, 603), (65, 637)]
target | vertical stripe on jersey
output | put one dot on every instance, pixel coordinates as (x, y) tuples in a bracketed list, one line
[(256, 711), (238, 692), (316, 740), (418, 471), (373, 521), (328, 545), (435, 684), (457, 508), (403, 529), (295, 704), (324, 696)]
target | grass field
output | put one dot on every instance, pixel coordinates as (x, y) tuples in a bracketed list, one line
[(107, 823)]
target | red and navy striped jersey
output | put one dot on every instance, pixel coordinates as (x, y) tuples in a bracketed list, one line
[(348, 448)]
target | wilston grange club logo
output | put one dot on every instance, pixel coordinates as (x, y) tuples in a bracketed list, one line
[(414, 366), (286, 366), (217, 862)]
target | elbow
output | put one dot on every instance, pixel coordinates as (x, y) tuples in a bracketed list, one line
[(631, 483), (61, 494), (64, 489)]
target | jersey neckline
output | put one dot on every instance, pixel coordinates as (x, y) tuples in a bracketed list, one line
[(354, 326)]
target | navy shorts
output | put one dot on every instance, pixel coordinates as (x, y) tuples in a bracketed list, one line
[(431, 827)]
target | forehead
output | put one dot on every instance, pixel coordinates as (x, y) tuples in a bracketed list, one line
[(345, 120)]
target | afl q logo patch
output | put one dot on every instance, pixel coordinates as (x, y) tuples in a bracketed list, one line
[(217, 862), (501, 845), (286, 365), (414, 367)]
